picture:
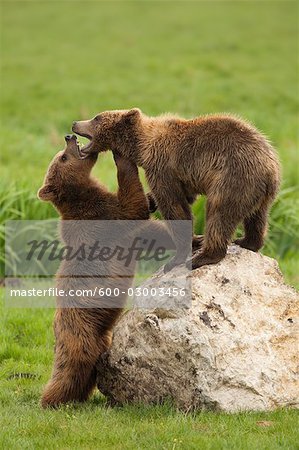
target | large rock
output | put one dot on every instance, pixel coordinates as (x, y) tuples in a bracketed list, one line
[(235, 348)]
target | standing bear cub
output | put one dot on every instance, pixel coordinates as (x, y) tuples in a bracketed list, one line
[(220, 156), (83, 327)]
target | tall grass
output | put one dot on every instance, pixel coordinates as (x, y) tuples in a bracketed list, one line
[(19, 203)]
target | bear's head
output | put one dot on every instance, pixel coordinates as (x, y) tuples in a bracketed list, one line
[(108, 130), (67, 170)]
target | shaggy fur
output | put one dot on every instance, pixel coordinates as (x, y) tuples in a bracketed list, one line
[(220, 156)]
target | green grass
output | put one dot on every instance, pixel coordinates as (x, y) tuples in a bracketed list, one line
[(67, 60), (27, 347)]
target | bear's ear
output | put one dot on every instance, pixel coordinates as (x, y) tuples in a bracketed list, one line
[(133, 114), (46, 193)]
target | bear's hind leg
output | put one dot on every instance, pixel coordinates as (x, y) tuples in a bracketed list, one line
[(73, 382), (220, 226), (255, 227), (74, 374), (197, 242)]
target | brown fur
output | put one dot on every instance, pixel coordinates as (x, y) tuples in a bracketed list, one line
[(82, 334), (220, 156)]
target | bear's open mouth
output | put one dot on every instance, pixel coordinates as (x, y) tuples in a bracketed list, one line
[(79, 149), (84, 148), (71, 140)]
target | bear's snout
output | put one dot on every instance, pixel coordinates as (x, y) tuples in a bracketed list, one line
[(69, 137)]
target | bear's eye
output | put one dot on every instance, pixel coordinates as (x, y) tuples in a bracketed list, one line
[(63, 158)]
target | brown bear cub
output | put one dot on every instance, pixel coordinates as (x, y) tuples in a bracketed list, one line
[(83, 334), (220, 156)]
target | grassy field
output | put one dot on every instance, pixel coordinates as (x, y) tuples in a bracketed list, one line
[(27, 348), (67, 60)]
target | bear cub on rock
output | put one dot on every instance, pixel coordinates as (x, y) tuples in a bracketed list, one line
[(220, 156)]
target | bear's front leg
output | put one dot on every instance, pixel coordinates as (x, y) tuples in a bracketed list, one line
[(173, 204), (132, 200)]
